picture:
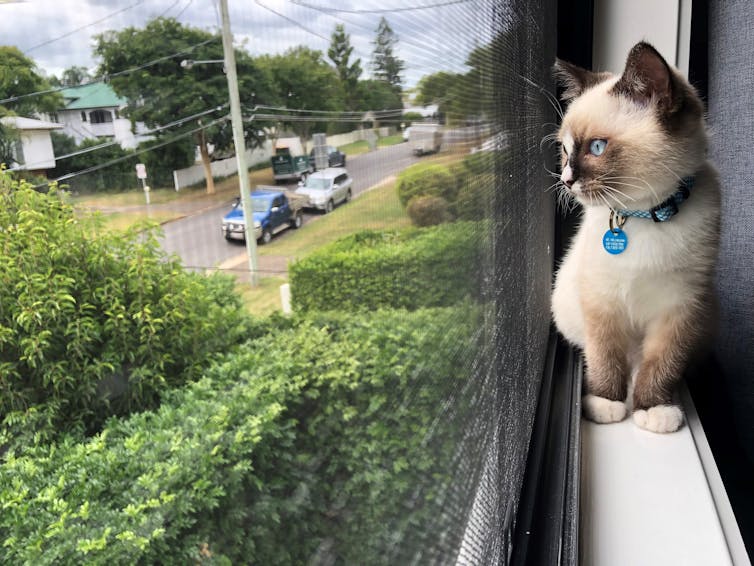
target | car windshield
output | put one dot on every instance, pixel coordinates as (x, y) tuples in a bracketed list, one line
[(259, 204), (319, 184)]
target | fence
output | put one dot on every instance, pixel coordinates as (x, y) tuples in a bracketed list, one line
[(226, 167)]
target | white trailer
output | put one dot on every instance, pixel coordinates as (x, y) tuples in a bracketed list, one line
[(425, 138)]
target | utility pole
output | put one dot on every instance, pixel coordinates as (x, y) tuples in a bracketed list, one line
[(238, 142)]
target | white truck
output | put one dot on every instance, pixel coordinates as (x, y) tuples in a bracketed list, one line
[(425, 138)]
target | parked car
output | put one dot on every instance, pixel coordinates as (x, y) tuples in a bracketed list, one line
[(274, 211), (287, 166), (335, 157), (326, 188)]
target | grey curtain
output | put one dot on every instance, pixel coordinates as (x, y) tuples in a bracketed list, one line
[(731, 118)]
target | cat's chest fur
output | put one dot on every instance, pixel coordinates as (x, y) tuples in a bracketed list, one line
[(664, 264)]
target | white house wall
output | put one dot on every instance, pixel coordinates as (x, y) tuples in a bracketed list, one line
[(37, 147), (119, 129)]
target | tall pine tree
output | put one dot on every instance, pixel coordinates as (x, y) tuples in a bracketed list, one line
[(339, 53), (385, 65)]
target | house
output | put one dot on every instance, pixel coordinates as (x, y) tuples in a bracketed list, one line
[(33, 151), (92, 111)]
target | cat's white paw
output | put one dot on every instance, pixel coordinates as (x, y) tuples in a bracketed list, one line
[(662, 418), (602, 410)]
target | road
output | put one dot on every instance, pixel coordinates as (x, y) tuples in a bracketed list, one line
[(198, 241)]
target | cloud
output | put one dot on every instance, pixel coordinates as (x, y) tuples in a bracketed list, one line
[(428, 40)]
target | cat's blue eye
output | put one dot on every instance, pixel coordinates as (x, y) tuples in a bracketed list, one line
[(597, 147)]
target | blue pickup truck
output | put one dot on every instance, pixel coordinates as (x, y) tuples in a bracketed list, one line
[(274, 211)]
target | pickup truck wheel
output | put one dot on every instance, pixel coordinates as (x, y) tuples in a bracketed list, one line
[(297, 221), (348, 195), (266, 236), (329, 206)]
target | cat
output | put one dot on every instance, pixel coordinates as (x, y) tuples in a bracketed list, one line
[(635, 289)]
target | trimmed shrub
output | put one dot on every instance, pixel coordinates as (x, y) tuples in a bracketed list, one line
[(95, 323), (332, 439), (415, 268), (426, 179), (428, 210)]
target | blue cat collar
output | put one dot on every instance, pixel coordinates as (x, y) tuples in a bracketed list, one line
[(667, 208)]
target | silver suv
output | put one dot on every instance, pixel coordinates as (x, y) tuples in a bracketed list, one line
[(326, 188)]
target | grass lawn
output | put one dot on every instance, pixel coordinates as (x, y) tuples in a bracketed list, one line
[(134, 208), (264, 299), (359, 147), (378, 209), (355, 148), (124, 220), (390, 140)]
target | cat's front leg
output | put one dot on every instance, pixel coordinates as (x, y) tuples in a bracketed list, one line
[(606, 366), (665, 352)]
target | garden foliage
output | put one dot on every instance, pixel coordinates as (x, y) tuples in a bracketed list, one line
[(95, 323), (407, 269), (467, 188), (329, 439)]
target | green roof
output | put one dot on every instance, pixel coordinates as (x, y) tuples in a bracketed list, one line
[(94, 95)]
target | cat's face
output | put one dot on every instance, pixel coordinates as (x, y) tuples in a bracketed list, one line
[(627, 140)]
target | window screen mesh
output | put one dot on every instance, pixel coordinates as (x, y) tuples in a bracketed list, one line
[(387, 419)]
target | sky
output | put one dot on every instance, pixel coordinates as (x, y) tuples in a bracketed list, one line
[(433, 35)]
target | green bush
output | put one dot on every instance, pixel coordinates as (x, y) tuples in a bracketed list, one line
[(332, 438), (95, 323), (426, 179), (428, 210), (410, 269)]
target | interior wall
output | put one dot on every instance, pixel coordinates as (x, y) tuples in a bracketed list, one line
[(619, 25)]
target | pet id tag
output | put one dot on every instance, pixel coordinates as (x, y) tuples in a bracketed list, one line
[(615, 241)]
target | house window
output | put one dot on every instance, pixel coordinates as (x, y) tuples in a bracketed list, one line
[(83, 116), (101, 117)]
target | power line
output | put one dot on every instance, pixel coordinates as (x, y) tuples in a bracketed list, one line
[(294, 22), (327, 112), (178, 122), (180, 13), (381, 10), (78, 29), (110, 75), (131, 155)]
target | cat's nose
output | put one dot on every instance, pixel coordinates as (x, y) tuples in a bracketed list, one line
[(567, 176)]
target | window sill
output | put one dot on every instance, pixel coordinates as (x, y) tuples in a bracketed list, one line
[(654, 499)]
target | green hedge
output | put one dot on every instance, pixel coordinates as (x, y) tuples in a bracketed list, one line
[(95, 323), (425, 179), (467, 187), (410, 269), (332, 438)]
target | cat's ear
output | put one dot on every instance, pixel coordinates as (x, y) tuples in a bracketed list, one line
[(647, 77), (575, 79)]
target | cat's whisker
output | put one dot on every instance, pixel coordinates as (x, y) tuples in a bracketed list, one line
[(646, 184), (612, 196), (672, 172), (621, 193), (551, 98)]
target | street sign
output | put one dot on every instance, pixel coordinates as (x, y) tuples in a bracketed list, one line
[(141, 171)]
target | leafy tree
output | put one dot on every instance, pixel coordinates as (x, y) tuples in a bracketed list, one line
[(162, 161), (95, 322), (8, 138), (161, 93), (340, 53), (62, 144), (440, 88), (74, 76), (385, 65), (303, 81), (18, 76)]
